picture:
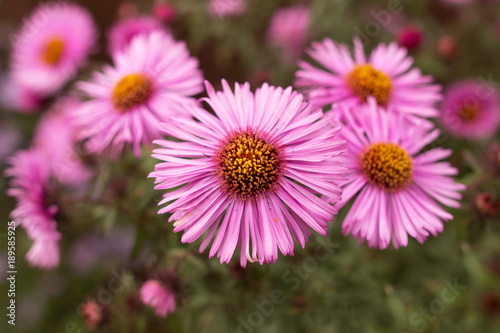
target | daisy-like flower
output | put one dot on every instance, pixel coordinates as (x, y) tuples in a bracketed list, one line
[(400, 190), (385, 75), (288, 30), (55, 135), (30, 185), (156, 294), (53, 43), (149, 83), (121, 34), (251, 175), (471, 109)]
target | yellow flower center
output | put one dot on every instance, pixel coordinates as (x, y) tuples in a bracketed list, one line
[(248, 164), (131, 91), (467, 113), (365, 81), (53, 51), (388, 166)]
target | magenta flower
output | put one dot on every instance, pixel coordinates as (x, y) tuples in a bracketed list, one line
[(399, 191), (52, 44), (251, 174), (157, 295), (471, 109), (55, 135), (226, 8), (121, 34), (164, 11), (30, 172), (385, 75), (18, 98), (288, 31), (149, 83)]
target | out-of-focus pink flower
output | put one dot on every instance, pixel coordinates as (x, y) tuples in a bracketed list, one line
[(122, 33), (447, 48), (164, 12), (410, 37), (55, 135), (30, 185), (226, 8), (16, 97), (50, 47), (288, 31), (159, 296), (93, 314), (471, 110), (126, 9)]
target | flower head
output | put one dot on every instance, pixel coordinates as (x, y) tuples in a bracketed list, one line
[(122, 33), (156, 294), (251, 173), (385, 75), (30, 185), (149, 83), (55, 135), (471, 109), (288, 30), (399, 190), (53, 43)]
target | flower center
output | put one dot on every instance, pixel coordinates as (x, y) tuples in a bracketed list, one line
[(131, 91), (53, 51), (248, 164), (365, 81), (467, 113), (388, 166)]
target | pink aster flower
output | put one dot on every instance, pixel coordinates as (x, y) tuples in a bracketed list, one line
[(385, 75), (288, 30), (53, 43), (400, 191), (149, 83), (30, 185), (471, 109), (121, 34), (226, 8), (157, 295), (55, 135), (251, 173), (164, 12)]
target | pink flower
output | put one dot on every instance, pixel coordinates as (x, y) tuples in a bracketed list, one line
[(471, 109), (385, 75), (52, 44), (157, 295), (16, 97), (149, 83), (55, 135), (164, 12), (122, 33), (399, 191), (30, 185), (226, 8), (288, 30), (251, 173)]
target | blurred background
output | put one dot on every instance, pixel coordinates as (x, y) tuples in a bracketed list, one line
[(449, 284)]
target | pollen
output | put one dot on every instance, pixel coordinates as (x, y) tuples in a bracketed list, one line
[(365, 81), (53, 51), (248, 165), (388, 166), (131, 91), (467, 112)]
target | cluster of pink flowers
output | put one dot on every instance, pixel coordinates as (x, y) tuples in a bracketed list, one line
[(248, 171)]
